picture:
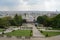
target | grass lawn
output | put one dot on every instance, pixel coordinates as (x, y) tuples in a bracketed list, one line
[(20, 33), (50, 33), (1, 30)]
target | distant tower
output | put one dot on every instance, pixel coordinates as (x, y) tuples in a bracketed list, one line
[(56, 11)]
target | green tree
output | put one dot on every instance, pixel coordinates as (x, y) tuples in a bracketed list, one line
[(4, 22), (12, 22), (18, 20), (45, 20), (40, 19), (56, 21)]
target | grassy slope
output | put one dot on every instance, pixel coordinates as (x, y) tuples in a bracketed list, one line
[(51, 33), (19, 33)]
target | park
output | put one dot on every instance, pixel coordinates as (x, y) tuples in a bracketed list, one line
[(29, 27)]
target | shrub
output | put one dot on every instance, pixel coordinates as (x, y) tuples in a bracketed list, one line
[(31, 33), (46, 35), (13, 30), (41, 31), (2, 32)]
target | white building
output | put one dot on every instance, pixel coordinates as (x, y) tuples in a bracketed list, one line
[(29, 18)]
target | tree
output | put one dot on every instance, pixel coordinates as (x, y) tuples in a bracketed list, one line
[(40, 19), (45, 20), (12, 22), (18, 20), (56, 21), (4, 22)]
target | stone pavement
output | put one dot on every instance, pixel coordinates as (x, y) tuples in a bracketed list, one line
[(36, 33), (53, 38)]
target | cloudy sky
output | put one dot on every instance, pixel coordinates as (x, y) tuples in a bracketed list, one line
[(24, 5)]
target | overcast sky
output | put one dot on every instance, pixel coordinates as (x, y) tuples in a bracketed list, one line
[(24, 5)]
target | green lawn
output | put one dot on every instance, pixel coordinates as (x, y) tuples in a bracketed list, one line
[(20, 33), (50, 33), (1, 30)]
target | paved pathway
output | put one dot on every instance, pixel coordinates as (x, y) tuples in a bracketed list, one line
[(15, 38), (50, 30), (53, 38), (36, 33), (10, 30)]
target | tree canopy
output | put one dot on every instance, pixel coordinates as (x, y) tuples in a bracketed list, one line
[(48, 21), (9, 21), (4, 22)]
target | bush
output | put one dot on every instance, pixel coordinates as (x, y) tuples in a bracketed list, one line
[(36, 25), (2, 32), (31, 33), (41, 31), (46, 35), (13, 30)]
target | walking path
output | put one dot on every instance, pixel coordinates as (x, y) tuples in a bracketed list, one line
[(53, 38), (10, 30), (36, 33), (50, 30)]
